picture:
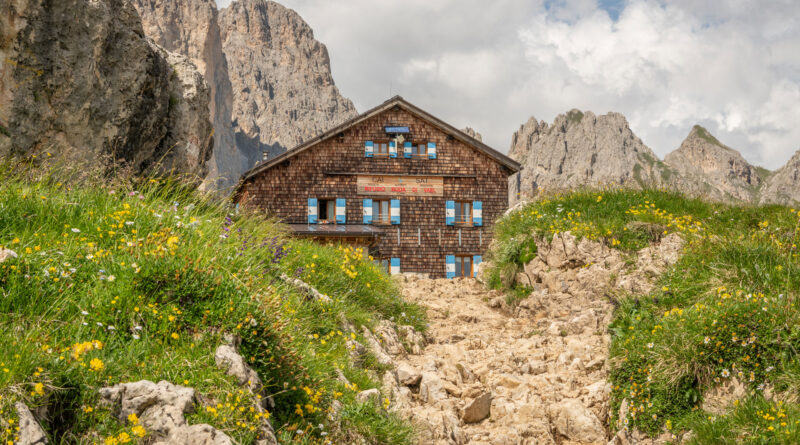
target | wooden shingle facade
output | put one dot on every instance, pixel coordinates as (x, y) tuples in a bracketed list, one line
[(419, 193)]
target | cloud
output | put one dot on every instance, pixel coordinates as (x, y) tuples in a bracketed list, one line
[(730, 66)]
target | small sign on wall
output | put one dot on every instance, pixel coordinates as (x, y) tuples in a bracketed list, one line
[(400, 185)]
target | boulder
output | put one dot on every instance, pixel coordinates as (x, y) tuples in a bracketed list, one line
[(575, 422), (478, 409), (30, 432), (376, 349), (389, 340), (407, 375), (431, 388), (367, 394), (200, 434), (160, 407), (452, 430), (7, 254), (227, 358)]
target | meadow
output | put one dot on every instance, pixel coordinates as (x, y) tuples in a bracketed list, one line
[(140, 279), (724, 316)]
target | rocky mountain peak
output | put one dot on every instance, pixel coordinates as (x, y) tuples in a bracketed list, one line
[(283, 90), (704, 158), (580, 148), (469, 131), (783, 186)]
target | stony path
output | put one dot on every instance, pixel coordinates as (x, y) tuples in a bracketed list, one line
[(532, 375)]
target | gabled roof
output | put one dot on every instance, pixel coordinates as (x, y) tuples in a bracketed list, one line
[(500, 158)]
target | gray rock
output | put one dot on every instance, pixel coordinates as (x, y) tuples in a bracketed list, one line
[(83, 83), (783, 186), (200, 434), (191, 28), (283, 90), (431, 388), (472, 133), (580, 149), (479, 409), (160, 407), (376, 349), (7, 254), (576, 422), (30, 432), (721, 171), (368, 394), (407, 375), (228, 359), (452, 429)]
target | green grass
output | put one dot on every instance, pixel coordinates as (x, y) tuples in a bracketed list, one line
[(139, 280), (726, 310), (703, 134)]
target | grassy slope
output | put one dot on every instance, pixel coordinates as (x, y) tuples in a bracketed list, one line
[(726, 310), (128, 282)]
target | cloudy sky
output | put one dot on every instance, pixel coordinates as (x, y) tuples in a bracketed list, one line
[(731, 66)]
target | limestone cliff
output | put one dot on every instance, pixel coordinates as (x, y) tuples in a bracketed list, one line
[(283, 90), (79, 80), (191, 28), (701, 158), (582, 149), (469, 131), (783, 186)]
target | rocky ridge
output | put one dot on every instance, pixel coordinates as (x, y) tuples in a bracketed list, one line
[(283, 90), (191, 28), (783, 186), (580, 149), (703, 158), (81, 82), (533, 374)]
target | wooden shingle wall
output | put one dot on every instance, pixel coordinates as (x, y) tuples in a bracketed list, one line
[(284, 189)]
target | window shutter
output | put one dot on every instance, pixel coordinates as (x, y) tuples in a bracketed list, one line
[(407, 149), (477, 213), (312, 210), (431, 150), (368, 146), (392, 149), (341, 211), (450, 266), (450, 213), (395, 211), (476, 259), (394, 267), (367, 211)]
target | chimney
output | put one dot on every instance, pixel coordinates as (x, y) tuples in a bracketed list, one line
[(264, 155)]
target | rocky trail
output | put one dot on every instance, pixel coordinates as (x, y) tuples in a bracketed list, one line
[(532, 374)]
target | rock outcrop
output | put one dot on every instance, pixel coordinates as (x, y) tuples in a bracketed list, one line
[(283, 90), (581, 149), (705, 160), (191, 28), (783, 186), (472, 133), (80, 81), (30, 432), (161, 409)]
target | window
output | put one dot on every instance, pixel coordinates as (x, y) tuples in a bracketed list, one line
[(464, 212), (383, 263), (381, 148), (380, 211), (419, 150), (327, 210), (463, 266)]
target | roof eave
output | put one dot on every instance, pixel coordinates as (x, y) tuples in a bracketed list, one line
[(500, 158)]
